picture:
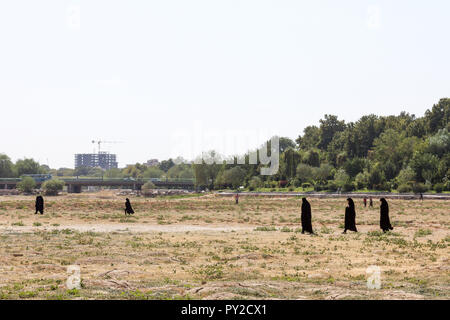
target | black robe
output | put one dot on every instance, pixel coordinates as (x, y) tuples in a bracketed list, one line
[(128, 208), (385, 223), (350, 217), (306, 217), (39, 205)]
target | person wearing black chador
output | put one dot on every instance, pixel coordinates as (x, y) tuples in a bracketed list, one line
[(128, 208), (350, 216), (306, 217), (385, 223), (39, 205)]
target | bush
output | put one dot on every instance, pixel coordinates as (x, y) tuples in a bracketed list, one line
[(27, 184), (419, 188), (331, 186), (348, 187), (439, 187), (306, 185), (404, 188), (52, 187), (297, 182), (254, 183), (147, 187), (319, 187)]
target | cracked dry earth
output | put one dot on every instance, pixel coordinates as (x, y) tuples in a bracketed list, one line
[(206, 247)]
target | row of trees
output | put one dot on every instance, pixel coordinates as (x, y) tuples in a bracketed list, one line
[(378, 153), (401, 152)]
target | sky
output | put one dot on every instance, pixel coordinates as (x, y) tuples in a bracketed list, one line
[(175, 77)]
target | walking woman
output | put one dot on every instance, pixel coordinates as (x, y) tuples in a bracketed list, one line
[(306, 217), (385, 223), (350, 216), (39, 205), (128, 208)]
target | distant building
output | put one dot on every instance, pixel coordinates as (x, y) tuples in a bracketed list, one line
[(152, 163), (104, 160)]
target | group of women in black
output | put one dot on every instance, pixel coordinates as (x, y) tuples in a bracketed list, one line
[(39, 205), (350, 216)]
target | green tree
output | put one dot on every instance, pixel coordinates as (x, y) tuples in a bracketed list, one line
[(289, 161), (310, 138), (304, 173), (439, 144), (165, 165), (113, 173), (27, 184), (424, 163), (439, 116), (234, 177), (341, 178), (255, 183), (323, 173), (153, 172), (28, 166), (52, 187), (328, 128), (362, 180), (7, 169)]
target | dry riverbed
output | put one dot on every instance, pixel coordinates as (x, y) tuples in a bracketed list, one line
[(209, 248)]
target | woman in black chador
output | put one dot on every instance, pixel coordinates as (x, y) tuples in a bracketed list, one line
[(350, 216), (39, 205), (128, 208), (306, 217), (385, 223)]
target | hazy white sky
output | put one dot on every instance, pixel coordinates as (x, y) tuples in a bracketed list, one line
[(149, 73)]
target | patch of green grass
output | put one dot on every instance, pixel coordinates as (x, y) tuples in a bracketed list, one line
[(265, 229), (422, 233)]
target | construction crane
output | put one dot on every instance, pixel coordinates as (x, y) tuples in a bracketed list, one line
[(99, 142)]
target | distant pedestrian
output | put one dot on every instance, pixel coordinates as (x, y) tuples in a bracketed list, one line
[(39, 205), (128, 208), (385, 223), (365, 202), (306, 217), (371, 202), (421, 196), (350, 217), (236, 197)]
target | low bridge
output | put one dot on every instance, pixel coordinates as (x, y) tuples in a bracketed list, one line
[(75, 185)]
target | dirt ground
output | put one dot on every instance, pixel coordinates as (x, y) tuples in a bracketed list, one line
[(206, 247)]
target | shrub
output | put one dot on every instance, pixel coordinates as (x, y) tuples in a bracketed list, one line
[(306, 185), (348, 187), (319, 187), (297, 182), (255, 183), (439, 187), (419, 188), (26, 185), (147, 188), (331, 186), (404, 188), (52, 187)]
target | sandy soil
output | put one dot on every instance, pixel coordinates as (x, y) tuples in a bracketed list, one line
[(209, 248)]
